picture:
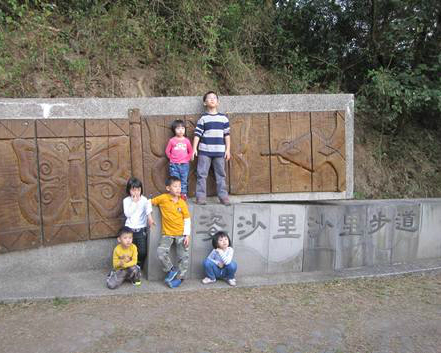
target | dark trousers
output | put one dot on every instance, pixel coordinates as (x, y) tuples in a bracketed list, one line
[(140, 240)]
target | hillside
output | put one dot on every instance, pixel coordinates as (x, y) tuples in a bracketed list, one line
[(171, 48)]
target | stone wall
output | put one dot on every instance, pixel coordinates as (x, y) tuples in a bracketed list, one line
[(65, 162)]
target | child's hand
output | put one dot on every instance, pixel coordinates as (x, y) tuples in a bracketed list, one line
[(195, 154), (151, 221), (227, 155), (186, 240), (220, 265), (120, 263)]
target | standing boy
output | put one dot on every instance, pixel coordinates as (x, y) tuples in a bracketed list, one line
[(176, 227), (125, 257), (212, 133)]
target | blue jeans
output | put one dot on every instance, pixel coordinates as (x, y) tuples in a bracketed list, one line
[(181, 170), (213, 271)]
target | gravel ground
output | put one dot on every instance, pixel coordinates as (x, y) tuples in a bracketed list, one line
[(395, 314)]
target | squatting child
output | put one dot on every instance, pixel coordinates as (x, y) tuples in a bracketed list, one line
[(138, 212), (219, 263), (212, 137), (176, 227), (125, 256), (179, 152)]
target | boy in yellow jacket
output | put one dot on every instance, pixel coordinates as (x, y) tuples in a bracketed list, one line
[(176, 227), (125, 257)]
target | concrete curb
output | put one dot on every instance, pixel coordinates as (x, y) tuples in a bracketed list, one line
[(91, 284)]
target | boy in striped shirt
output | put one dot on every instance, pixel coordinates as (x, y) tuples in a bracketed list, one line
[(212, 134)]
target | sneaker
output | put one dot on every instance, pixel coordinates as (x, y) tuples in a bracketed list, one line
[(231, 281), (208, 280), (170, 275), (225, 201), (184, 197), (136, 282), (201, 201), (175, 283)]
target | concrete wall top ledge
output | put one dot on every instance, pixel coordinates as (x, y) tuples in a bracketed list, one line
[(117, 108)]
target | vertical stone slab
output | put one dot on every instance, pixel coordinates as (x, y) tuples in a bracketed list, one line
[(154, 267), (290, 150), (108, 169), (380, 232), (320, 240), (429, 244), (155, 135), (20, 202), (287, 226), (207, 220), (328, 151), (136, 144), (406, 233), (63, 189), (352, 247), (250, 238), (250, 161)]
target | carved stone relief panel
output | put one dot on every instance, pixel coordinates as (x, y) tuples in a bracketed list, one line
[(328, 151), (108, 169), (63, 189), (250, 157), (290, 151), (60, 128), (156, 132), (12, 129), (20, 213), (107, 127)]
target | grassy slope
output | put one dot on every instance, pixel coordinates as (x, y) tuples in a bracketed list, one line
[(102, 57)]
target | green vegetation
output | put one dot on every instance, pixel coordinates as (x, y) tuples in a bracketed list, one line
[(385, 52)]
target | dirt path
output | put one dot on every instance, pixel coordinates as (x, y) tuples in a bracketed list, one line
[(399, 314)]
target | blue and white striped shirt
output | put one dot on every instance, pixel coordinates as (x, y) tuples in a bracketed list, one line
[(212, 129)]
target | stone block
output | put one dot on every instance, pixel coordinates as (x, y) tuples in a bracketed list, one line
[(429, 244), (352, 248), (406, 232), (380, 232), (251, 238), (287, 226), (206, 221), (320, 238)]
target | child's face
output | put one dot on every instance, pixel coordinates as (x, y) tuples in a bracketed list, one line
[(211, 101), (174, 189), (180, 131), (223, 243), (135, 192), (125, 239)]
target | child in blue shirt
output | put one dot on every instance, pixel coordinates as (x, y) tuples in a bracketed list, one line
[(219, 263)]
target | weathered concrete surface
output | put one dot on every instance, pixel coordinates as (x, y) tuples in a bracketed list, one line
[(273, 238), (92, 283), (116, 108)]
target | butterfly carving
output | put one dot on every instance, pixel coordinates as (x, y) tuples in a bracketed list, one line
[(61, 178)]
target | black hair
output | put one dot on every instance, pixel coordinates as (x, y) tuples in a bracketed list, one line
[(133, 183), (217, 235), (124, 230), (206, 94), (177, 123), (171, 179)]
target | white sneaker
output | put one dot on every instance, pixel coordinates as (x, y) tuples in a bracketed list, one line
[(231, 281), (208, 280)]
